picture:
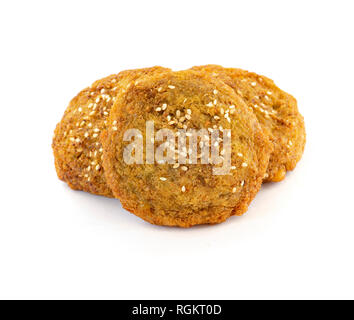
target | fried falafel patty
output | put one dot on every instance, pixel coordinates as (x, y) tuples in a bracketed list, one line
[(172, 191)]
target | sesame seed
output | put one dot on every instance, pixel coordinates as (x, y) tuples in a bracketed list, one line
[(232, 107), (103, 90), (178, 113), (98, 100), (163, 179), (210, 104), (233, 167), (114, 122), (222, 110), (215, 101), (253, 84), (171, 87), (113, 80), (244, 164), (95, 135), (240, 154), (86, 134), (175, 166), (115, 128), (164, 106), (158, 109), (184, 168), (96, 130), (80, 109), (159, 89), (98, 167), (242, 183), (216, 117), (189, 111), (188, 117), (168, 118), (216, 144), (215, 91), (269, 92), (183, 189)]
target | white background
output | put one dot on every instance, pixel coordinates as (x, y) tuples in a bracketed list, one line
[(295, 241)]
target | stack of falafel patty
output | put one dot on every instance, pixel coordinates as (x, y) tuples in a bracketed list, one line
[(254, 126)]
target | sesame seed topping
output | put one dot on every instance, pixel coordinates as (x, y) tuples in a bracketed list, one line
[(189, 111), (215, 91), (159, 89), (86, 134), (164, 106), (210, 104), (183, 189), (95, 135), (171, 87), (233, 167), (253, 84), (163, 179), (244, 164), (242, 183), (184, 168), (269, 92), (158, 109), (175, 166), (188, 117), (215, 101), (240, 154), (98, 167), (98, 100), (115, 128)]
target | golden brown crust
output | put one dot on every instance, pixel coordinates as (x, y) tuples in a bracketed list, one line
[(76, 145), (276, 111), (189, 194)]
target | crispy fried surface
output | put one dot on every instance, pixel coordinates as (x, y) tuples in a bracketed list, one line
[(76, 145), (189, 194), (276, 111)]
